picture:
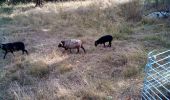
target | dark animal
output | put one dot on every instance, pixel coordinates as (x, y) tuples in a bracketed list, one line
[(13, 47), (104, 39), (72, 44)]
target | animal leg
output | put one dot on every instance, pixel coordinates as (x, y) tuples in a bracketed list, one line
[(110, 43), (12, 52), (83, 49), (65, 50), (104, 44), (25, 52), (5, 54), (77, 50)]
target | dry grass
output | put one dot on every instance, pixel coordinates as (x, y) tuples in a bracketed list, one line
[(38, 69), (63, 68), (131, 10), (126, 65), (130, 71), (161, 39), (89, 94), (48, 73)]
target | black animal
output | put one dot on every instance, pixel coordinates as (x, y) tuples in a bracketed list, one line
[(13, 47), (104, 39)]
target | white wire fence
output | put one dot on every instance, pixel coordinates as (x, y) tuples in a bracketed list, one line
[(157, 79)]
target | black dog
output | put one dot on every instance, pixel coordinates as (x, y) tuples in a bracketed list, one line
[(13, 47), (104, 39)]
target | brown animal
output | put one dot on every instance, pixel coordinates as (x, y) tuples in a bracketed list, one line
[(72, 44)]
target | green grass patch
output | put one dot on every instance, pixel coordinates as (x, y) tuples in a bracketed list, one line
[(120, 36), (148, 22), (6, 10), (121, 32), (5, 20), (161, 39)]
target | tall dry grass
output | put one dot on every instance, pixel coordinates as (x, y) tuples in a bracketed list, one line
[(46, 74)]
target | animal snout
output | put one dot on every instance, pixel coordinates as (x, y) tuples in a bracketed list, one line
[(60, 45)]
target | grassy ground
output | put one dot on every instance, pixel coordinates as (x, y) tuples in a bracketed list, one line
[(100, 74)]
